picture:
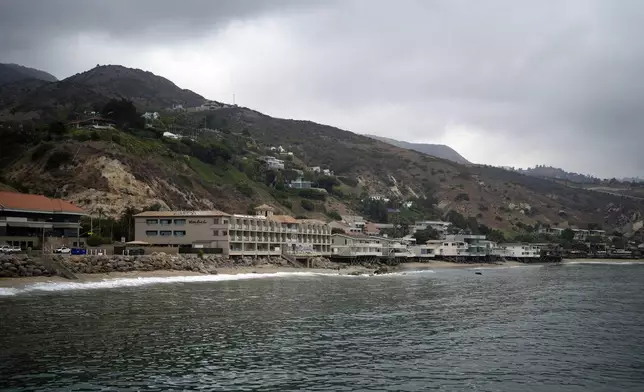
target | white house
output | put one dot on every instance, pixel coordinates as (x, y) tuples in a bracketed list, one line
[(171, 135), (327, 172), (273, 163), (150, 115), (379, 198), (300, 183), (178, 107), (518, 251), (440, 226)]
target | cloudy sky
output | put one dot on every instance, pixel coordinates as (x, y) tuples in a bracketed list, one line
[(503, 82)]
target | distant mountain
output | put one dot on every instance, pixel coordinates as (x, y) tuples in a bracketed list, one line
[(558, 174), (437, 150), (141, 87), (89, 91), (10, 73)]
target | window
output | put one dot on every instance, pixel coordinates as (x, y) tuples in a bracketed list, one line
[(165, 233), (179, 221), (166, 222), (224, 232), (151, 233), (179, 233), (152, 221)]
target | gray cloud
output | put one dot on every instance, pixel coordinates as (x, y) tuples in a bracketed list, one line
[(503, 82)]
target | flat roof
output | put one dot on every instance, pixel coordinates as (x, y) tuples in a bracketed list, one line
[(14, 201), (161, 214)]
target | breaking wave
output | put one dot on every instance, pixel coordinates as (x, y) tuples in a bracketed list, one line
[(144, 281), (603, 263)]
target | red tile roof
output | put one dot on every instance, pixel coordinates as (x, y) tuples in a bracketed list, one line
[(39, 203)]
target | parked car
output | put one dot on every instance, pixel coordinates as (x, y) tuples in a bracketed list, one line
[(10, 249), (63, 250)]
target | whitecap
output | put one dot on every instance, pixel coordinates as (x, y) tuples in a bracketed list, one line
[(143, 281)]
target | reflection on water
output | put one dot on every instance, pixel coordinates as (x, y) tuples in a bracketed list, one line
[(572, 328)]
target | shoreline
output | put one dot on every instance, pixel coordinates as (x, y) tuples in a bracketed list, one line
[(19, 282)]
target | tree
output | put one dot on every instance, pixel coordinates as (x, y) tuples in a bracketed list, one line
[(334, 215), (422, 236), (327, 182), (307, 204), (568, 235), (335, 230), (496, 236), (123, 113), (57, 128)]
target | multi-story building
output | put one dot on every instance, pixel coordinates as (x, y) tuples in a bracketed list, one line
[(262, 234), (26, 220), (356, 245), (465, 245), (518, 251)]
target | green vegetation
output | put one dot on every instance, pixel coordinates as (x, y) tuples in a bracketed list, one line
[(57, 159), (422, 236), (462, 197), (311, 194), (40, 151), (307, 204), (334, 215)]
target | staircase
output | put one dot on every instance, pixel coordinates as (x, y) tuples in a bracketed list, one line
[(290, 258), (49, 262)]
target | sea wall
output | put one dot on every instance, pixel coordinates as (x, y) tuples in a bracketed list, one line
[(22, 265)]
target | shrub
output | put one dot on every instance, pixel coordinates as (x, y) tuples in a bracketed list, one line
[(81, 137), (285, 202), (307, 204), (97, 240), (94, 136), (57, 159), (116, 138), (40, 151), (462, 197), (312, 194), (352, 182), (483, 207), (245, 189), (334, 215)]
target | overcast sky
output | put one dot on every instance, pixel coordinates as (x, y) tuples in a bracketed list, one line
[(510, 82)]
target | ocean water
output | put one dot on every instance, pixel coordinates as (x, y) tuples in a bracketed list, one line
[(575, 327)]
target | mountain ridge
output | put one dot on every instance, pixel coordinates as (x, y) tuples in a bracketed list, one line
[(217, 164), (437, 150), (10, 73)]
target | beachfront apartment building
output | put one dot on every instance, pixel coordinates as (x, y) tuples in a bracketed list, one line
[(517, 251), (26, 220), (262, 234), (356, 245)]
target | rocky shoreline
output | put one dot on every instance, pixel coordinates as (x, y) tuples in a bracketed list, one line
[(13, 266)]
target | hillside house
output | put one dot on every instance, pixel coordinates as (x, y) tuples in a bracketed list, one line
[(272, 162), (150, 116), (354, 221), (440, 227), (300, 183), (171, 135), (95, 122)]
